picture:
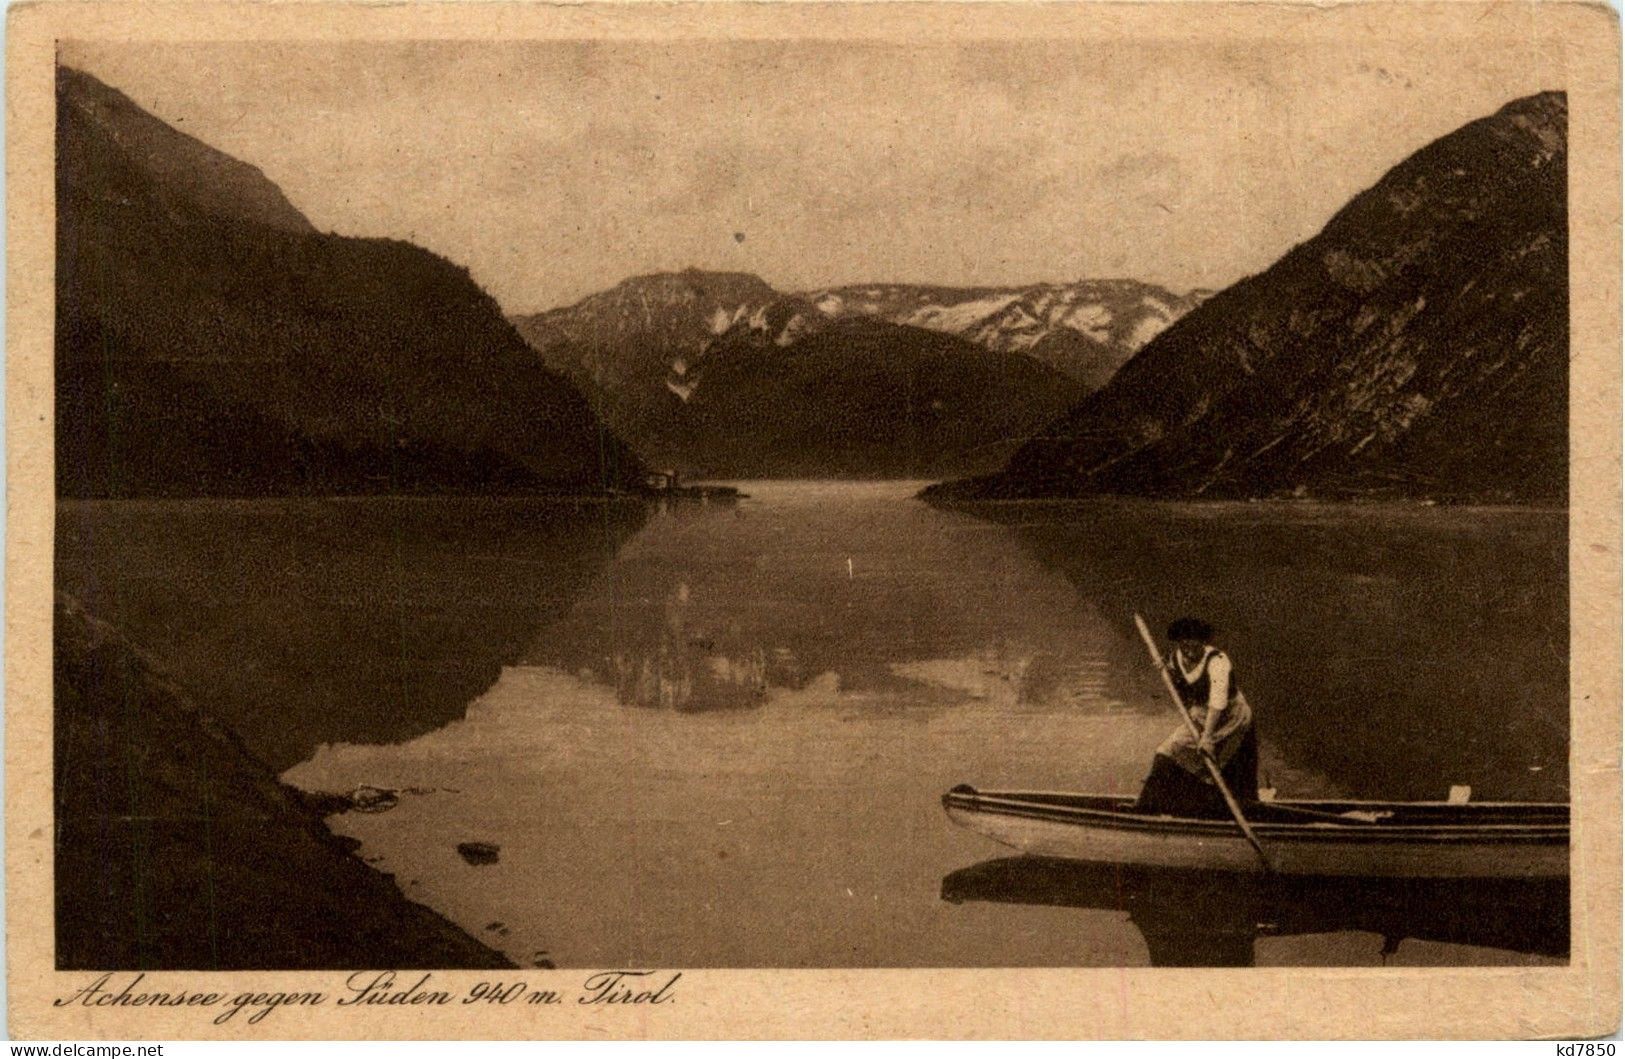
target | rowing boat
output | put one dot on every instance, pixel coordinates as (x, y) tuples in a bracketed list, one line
[(1322, 838)]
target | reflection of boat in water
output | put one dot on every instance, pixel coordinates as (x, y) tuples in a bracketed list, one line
[(1201, 918), (1313, 838)]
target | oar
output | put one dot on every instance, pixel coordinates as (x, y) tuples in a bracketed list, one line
[(1212, 766)]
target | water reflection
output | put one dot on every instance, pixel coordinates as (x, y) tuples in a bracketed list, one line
[(729, 749), (1371, 639), (1212, 919), (361, 619), (713, 608), (678, 667)]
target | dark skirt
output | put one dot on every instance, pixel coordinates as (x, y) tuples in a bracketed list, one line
[(1171, 790)]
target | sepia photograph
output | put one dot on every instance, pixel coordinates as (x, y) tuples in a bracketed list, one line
[(621, 506)]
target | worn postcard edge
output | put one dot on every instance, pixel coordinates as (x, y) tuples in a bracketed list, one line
[(1580, 999)]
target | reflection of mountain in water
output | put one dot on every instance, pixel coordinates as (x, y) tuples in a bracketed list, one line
[(302, 622), (710, 607), (930, 649), (670, 667), (1395, 650), (1191, 919)]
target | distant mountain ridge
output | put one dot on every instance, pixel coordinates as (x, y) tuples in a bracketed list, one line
[(1086, 329), (656, 317), (720, 375), (1417, 347), (857, 398), (647, 349), (209, 341)]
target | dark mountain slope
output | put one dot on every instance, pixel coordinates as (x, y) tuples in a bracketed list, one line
[(634, 329), (209, 342), (863, 398), (177, 849), (1417, 347), (717, 374), (630, 346), (187, 175)]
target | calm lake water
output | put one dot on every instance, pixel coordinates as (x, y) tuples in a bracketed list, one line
[(302, 621), (728, 748)]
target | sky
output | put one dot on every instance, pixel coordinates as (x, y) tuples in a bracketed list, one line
[(553, 169)]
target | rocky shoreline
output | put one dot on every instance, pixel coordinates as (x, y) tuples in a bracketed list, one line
[(177, 849)]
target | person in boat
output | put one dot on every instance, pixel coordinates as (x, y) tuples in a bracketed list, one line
[(1179, 783)]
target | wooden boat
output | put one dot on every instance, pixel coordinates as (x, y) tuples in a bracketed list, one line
[(1323, 838)]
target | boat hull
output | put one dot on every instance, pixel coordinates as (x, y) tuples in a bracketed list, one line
[(1425, 840)]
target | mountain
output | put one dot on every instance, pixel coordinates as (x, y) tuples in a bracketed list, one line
[(210, 341), (631, 347), (1086, 329), (176, 849), (637, 328), (859, 399), (1417, 347), (713, 372)]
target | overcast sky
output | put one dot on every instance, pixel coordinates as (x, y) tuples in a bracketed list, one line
[(554, 169)]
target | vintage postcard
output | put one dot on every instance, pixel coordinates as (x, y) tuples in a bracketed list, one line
[(841, 520)]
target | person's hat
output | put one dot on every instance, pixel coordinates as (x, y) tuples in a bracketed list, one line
[(1190, 629)]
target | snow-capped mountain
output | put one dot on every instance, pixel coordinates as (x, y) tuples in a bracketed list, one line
[(1086, 329), (644, 327), (685, 364), (780, 323), (637, 348), (655, 329)]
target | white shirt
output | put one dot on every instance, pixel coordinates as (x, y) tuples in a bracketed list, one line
[(1218, 676)]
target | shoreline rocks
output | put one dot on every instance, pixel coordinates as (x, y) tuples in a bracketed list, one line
[(177, 849)]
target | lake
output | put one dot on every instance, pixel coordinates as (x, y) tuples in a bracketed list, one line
[(725, 746), (303, 621)]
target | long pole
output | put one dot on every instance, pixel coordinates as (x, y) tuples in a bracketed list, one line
[(1207, 758)]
